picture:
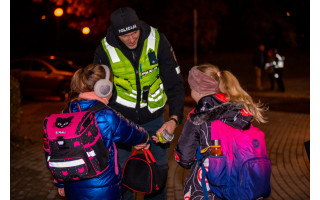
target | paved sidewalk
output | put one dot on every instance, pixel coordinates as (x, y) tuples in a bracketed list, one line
[(29, 176), (285, 135), (285, 132)]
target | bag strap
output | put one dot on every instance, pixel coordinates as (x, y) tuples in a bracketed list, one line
[(116, 168), (203, 182), (135, 153), (199, 157), (147, 153), (97, 107)]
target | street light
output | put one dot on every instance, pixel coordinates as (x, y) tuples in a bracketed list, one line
[(85, 30), (58, 12)]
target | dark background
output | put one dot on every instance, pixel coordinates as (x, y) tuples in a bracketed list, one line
[(228, 33), (223, 26)]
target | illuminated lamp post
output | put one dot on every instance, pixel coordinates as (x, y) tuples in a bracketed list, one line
[(58, 12)]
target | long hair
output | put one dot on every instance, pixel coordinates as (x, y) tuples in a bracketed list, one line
[(230, 85), (84, 79)]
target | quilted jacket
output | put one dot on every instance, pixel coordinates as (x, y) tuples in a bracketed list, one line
[(114, 128)]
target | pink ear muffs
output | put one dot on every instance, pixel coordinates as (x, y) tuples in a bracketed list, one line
[(103, 87)]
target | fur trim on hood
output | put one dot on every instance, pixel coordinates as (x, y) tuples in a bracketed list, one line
[(229, 113)]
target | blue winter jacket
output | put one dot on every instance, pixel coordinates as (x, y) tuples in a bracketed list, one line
[(113, 128)]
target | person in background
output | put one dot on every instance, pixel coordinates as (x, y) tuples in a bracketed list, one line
[(259, 63), (219, 96), (269, 67), (278, 70), (146, 75), (86, 92)]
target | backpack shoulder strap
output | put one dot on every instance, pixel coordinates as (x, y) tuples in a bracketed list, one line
[(95, 108), (199, 157), (203, 182), (98, 106)]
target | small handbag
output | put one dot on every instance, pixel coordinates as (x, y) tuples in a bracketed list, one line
[(142, 174)]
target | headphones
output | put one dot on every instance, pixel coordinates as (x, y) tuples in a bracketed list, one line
[(103, 87)]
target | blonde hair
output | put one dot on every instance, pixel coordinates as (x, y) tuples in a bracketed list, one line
[(84, 79), (230, 85)]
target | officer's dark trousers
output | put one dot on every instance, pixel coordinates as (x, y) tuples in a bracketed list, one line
[(159, 152), (278, 76)]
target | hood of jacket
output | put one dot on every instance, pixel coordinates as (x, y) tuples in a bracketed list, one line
[(216, 107)]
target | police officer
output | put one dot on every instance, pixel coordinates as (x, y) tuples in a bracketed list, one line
[(146, 75)]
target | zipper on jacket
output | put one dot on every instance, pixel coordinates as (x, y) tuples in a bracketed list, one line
[(138, 94)]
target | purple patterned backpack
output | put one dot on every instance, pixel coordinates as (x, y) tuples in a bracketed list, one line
[(73, 145)]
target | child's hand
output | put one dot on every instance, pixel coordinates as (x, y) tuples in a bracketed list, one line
[(142, 146), (61, 192), (156, 138), (163, 137), (170, 126), (147, 147)]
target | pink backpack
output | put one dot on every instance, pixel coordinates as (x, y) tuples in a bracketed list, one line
[(244, 170), (73, 145)]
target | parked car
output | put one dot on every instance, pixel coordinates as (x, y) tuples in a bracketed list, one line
[(43, 75)]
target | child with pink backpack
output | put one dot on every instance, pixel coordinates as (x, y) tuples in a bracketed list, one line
[(226, 154), (80, 143)]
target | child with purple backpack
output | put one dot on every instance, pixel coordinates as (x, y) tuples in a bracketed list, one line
[(222, 117), (91, 86)]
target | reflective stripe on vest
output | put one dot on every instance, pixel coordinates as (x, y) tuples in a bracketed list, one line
[(151, 40), (280, 62), (125, 77), (125, 102), (113, 54)]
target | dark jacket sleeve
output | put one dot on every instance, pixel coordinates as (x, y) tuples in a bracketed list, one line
[(100, 56), (119, 129), (171, 77), (186, 148)]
